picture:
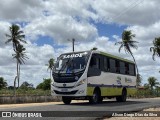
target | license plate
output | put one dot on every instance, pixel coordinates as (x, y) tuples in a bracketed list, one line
[(64, 90)]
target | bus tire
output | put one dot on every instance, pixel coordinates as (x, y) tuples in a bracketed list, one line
[(95, 98), (101, 99), (123, 97), (66, 100)]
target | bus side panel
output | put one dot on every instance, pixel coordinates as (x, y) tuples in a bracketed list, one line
[(111, 84), (90, 90), (110, 91)]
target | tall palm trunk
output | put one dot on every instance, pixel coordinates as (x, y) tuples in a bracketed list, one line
[(18, 74), (133, 58), (135, 63), (50, 74)]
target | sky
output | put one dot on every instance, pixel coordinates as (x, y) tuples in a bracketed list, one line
[(49, 24)]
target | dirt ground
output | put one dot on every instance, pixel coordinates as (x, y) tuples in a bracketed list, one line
[(138, 118)]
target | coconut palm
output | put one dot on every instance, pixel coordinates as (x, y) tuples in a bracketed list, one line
[(50, 66), (152, 81), (16, 36), (20, 56), (127, 43), (156, 48)]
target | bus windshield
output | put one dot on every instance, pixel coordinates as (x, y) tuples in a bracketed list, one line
[(71, 63)]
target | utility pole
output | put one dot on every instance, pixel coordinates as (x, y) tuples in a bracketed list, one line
[(73, 40)]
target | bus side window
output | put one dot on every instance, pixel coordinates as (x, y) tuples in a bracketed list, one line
[(126, 68), (131, 69), (117, 67), (122, 67), (112, 65), (95, 62), (106, 68)]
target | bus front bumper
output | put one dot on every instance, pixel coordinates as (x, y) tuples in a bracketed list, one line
[(75, 91)]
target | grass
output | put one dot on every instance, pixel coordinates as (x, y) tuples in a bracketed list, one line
[(23, 92)]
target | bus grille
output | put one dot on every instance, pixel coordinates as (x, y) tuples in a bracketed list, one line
[(67, 93)]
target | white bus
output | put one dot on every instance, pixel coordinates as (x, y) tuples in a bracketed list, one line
[(93, 75)]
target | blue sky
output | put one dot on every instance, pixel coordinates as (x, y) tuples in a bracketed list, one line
[(90, 22), (107, 30)]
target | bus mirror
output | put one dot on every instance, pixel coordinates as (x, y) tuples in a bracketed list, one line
[(93, 72)]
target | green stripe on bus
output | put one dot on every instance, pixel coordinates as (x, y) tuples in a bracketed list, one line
[(107, 91), (116, 57)]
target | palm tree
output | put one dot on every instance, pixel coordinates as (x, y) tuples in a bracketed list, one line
[(20, 56), (127, 43), (152, 81), (16, 36), (156, 48), (50, 66)]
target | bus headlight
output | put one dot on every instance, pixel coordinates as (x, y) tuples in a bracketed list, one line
[(81, 82)]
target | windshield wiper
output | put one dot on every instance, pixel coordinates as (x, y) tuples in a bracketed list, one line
[(64, 66)]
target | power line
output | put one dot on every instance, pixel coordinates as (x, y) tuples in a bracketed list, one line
[(131, 6)]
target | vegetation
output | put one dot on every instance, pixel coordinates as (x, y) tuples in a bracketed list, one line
[(45, 85), (16, 36), (156, 48), (23, 92), (50, 66), (20, 56), (3, 83), (25, 86), (152, 82), (150, 89)]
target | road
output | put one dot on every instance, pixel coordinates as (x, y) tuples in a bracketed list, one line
[(80, 110)]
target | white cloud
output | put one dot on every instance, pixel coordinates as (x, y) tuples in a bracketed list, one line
[(21, 10), (132, 12), (4, 29), (61, 28)]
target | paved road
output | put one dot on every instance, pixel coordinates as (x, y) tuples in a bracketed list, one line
[(82, 110)]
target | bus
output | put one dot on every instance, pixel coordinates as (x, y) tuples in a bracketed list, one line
[(93, 75)]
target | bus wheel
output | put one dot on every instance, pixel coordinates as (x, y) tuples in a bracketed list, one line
[(66, 100), (123, 97), (101, 99), (95, 98)]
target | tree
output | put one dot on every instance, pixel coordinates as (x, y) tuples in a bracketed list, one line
[(50, 66), (25, 85), (146, 86), (127, 43), (152, 82), (20, 56), (3, 83), (40, 86), (156, 48), (45, 85), (15, 36)]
